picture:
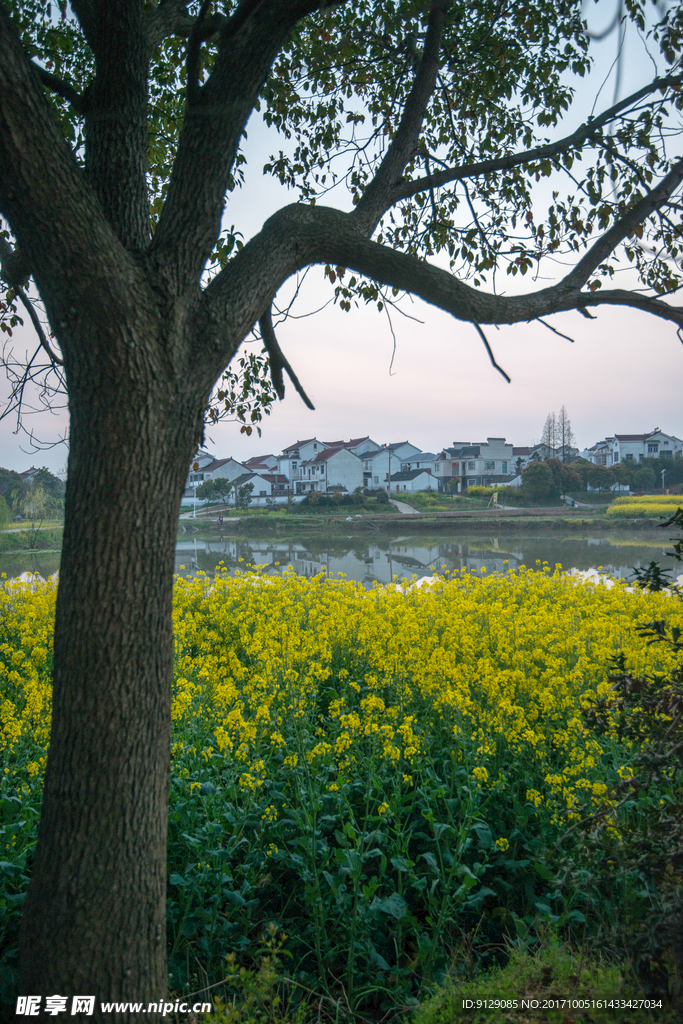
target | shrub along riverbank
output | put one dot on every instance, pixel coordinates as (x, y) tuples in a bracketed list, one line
[(391, 778)]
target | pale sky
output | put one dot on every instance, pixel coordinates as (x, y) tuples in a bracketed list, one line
[(623, 373)]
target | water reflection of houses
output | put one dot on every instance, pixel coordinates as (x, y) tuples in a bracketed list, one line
[(371, 561)]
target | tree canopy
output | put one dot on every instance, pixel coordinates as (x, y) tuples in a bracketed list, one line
[(413, 134), (428, 124)]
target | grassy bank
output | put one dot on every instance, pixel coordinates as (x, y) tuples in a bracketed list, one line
[(388, 777), (39, 539)]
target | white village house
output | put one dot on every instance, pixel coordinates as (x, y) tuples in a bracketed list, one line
[(210, 468), (634, 447), (331, 469), (412, 481), (465, 464), (318, 466)]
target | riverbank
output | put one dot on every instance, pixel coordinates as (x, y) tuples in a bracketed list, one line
[(486, 520)]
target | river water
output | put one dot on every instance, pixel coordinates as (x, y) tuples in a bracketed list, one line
[(377, 558)]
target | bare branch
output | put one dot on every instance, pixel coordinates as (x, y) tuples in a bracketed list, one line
[(491, 355), (379, 195), (554, 330), (28, 306), (278, 360), (406, 189)]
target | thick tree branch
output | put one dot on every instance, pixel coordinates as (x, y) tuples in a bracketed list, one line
[(168, 18), (63, 238), (504, 163), (379, 195), (190, 220), (193, 46), (62, 89), (299, 235), (89, 13), (608, 242), (116, 140)]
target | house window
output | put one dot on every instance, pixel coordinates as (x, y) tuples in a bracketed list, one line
[(666, 455), (628, 458), (653, 448), (470, 465), (375, 479), (471, 483), (504, 468), (615, 456), (262, 494), (489, 465)]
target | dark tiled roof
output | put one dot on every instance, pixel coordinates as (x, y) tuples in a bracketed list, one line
[(468, 451), (409, 474), (216, 464), (293, 447), (328, 453)]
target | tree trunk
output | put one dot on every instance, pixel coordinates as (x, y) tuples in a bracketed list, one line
[(95, 917)]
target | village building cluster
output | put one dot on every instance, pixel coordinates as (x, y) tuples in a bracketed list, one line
[(311, 465)]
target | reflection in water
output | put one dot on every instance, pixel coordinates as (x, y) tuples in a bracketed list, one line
[(380, 557), (375, 560)]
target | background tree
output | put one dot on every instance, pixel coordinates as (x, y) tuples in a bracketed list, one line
[(565, 435), (215, 490), (549, 433), (243, 496), (624, 472), (538, 485), (645, 478), (11, 486), (121, 126), (673, 467), (582, 467), (600, 478), (566, 479)]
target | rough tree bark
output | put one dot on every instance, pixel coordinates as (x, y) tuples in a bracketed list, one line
[(142, 345)]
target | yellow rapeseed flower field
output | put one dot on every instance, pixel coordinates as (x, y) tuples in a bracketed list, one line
[(353, 763), (326, 671)]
